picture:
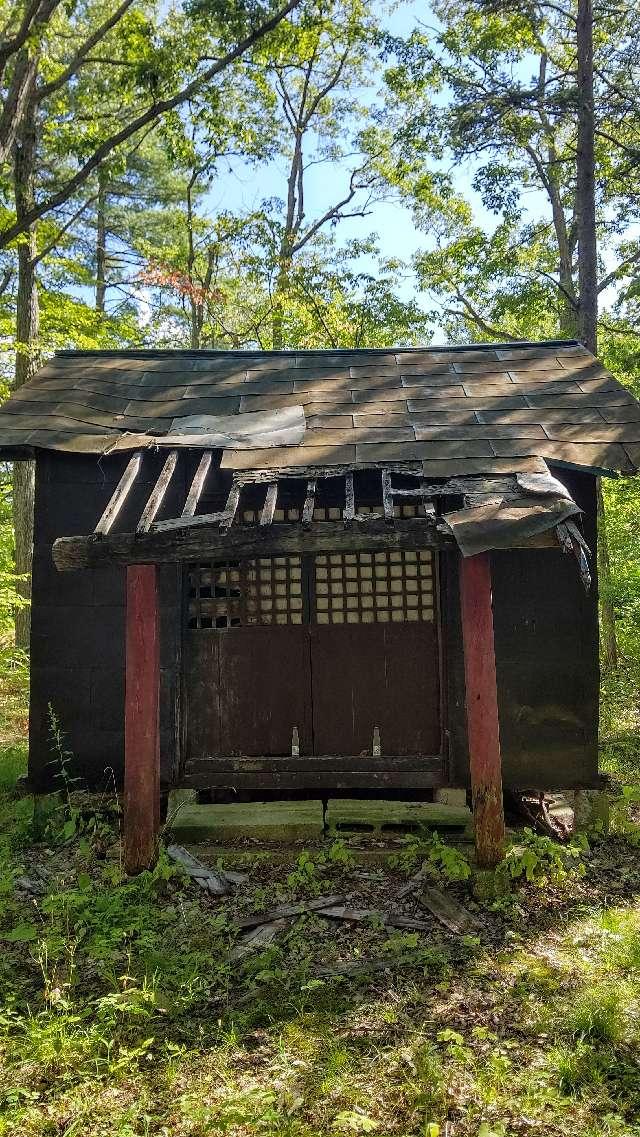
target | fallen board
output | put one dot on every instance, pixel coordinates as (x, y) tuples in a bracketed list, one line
[(449, 912)]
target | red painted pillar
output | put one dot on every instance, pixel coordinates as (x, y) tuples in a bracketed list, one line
[(482, 708), (141, 726)]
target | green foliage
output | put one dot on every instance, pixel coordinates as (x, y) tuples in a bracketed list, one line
[(315, 870), (433, 856), (540, 860)]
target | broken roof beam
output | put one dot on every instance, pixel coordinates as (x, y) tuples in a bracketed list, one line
[(119, 495), (227, 517), (349, 498), (158, 492), (309, 503), (269, 507), (224, 519), (387, 497), (197, 485)]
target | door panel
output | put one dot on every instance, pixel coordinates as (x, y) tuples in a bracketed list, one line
[(374, 653), (246, 690), (264, 690), (368, 675), (334, 644), (201, 682)]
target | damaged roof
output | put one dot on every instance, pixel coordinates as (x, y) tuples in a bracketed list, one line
[(474, 409)]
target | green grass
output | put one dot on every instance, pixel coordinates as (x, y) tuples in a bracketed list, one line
[(123, 1014), (620, 725)]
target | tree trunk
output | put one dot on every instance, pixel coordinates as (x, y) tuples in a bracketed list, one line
[(196, 315), (608, 638), (588, 284), (277, 316), (101, 242), (27, 329), (586, 182)]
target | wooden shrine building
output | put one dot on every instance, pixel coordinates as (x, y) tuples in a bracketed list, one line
[(281, 574)]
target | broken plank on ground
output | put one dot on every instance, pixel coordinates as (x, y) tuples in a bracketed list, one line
[(449, 912), (284, 911), (217, 883), (256, 939), (359, 915)]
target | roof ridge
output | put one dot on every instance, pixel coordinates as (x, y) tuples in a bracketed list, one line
[(239, 352)]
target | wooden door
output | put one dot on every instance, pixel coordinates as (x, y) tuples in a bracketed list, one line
[(248, 674), (374, 653), (334, 645)]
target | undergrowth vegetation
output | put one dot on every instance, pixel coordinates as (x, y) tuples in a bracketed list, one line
[(127, 1011)]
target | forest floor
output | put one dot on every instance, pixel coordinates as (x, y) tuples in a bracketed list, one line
[(127, 1010)]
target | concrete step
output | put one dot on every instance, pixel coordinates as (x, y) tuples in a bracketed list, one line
[(284, 822), (277, 821), (352, 815)]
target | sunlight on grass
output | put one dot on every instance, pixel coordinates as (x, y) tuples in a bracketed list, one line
[(122, 1014)]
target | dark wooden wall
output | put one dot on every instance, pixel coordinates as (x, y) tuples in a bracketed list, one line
[(77, 634), (546, 640), (546, 634)]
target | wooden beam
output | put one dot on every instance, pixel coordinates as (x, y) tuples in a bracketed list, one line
[(309, 503), (197, 485), (246, 541), (269, 507), (387, 497), (349, 498), (119, 495), (157, 494), (286, 763), (428, 508), (311, 772), (141, 725), (226, 519), (482, 708)]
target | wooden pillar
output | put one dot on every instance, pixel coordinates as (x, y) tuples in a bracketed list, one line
[(142, 726), (482, 708)]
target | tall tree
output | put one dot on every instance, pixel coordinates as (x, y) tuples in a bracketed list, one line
[(52, 79), (529, 110), (318, 72)]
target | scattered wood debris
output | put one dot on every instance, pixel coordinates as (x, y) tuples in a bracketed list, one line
[(412, 885), (257, 939), (217, 883), (535, 810), (284, 911), (449, 912), (358, 915)]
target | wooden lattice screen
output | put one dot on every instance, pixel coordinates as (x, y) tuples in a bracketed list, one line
[(342, 588)]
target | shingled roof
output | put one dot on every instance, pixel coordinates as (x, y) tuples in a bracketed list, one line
[(483, 408)]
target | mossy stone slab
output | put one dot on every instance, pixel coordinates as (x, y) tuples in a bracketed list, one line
[(277, 821)]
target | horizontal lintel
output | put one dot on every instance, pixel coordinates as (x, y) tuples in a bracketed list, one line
[(247, 541)]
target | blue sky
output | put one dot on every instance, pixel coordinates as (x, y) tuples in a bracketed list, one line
[(244, 187)]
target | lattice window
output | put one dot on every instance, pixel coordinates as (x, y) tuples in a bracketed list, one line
[(347, 588), (253, 515), (327, 513), (234, 594), (367, 588)]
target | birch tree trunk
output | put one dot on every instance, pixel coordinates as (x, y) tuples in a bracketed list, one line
[(27, 329), (588, 284)]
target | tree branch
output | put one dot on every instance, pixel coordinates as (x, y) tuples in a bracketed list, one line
[(621, 270), (99, 34), (64, 229), (152, 114), (36, 13)]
